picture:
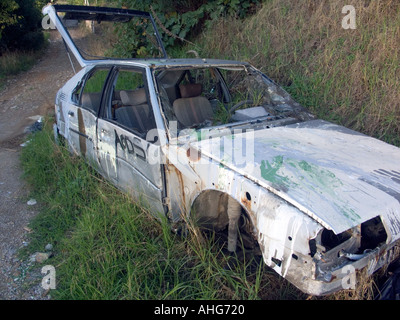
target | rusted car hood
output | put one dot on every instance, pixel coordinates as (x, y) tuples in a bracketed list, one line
[(339, 177)]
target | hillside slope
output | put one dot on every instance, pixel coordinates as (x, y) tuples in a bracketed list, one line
[(349, 76)]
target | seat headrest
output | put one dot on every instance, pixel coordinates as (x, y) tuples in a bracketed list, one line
[(133, 97), (190, 90)]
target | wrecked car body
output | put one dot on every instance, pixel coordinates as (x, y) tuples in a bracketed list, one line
[(219, 142)]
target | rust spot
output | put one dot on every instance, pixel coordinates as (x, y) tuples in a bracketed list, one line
[(181, 188), (82, 133), (193, 154), (246, 201)]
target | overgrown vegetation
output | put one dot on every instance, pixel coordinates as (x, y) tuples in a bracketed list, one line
[(178, 23), (21, 35), (20, 25), (349, 76), (15, 62), (182, 20), (107, 247)]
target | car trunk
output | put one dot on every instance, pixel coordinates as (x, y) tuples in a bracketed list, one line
[(98, 33)]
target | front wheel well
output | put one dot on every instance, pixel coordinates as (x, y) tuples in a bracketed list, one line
[(212, 212)]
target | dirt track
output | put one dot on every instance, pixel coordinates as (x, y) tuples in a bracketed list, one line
[(26, 97)]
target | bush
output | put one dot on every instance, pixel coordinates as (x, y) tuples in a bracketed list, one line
[(185, 19), (24, 32)]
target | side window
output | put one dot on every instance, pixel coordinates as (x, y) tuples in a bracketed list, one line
[(129, 102), (77, 92), (91, 94)]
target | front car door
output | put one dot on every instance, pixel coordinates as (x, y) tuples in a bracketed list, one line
[(128, 151)]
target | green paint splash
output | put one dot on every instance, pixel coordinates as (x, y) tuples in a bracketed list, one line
[(269, 171), (285, 174)]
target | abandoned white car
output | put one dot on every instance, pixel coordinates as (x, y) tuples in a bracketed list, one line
[(219, 142)]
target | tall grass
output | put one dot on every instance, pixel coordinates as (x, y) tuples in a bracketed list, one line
[(347, 76), (107, 247), (14, 62)]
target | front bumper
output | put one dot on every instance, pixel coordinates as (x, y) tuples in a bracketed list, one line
[(343, 276)]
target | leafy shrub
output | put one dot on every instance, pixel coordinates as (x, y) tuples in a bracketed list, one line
[(185, 19), (23, 32)]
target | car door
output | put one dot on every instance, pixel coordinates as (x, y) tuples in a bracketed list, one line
[(86, 98), (124, 154)]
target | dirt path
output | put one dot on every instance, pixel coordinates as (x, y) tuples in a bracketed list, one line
[(26, 97)]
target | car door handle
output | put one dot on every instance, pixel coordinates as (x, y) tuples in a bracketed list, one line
[(104, 131), (71, 113)]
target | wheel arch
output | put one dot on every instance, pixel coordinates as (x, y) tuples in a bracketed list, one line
[(211, 209)]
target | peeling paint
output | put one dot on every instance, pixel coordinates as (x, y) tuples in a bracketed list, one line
[(82, 133), (269, 172)]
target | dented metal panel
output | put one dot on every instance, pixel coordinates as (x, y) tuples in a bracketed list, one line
[(338, 177), (125, 159)]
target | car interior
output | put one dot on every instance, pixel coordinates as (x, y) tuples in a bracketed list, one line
[(193, 97), (129, 105), (190, 97)]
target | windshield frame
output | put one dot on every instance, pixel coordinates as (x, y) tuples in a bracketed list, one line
[(186, 134)]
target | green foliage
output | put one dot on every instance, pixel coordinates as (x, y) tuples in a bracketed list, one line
[(7, 16), (345, 76), (128, 80), (96, 81), (136, 40), (184, 19), (22, 29)]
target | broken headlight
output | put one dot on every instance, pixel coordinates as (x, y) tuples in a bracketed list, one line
[(332, 251)]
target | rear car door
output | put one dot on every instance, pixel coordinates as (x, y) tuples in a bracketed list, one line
[(86, 98), (126, 157)]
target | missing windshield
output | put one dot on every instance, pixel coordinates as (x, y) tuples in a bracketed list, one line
[(213, 96)]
